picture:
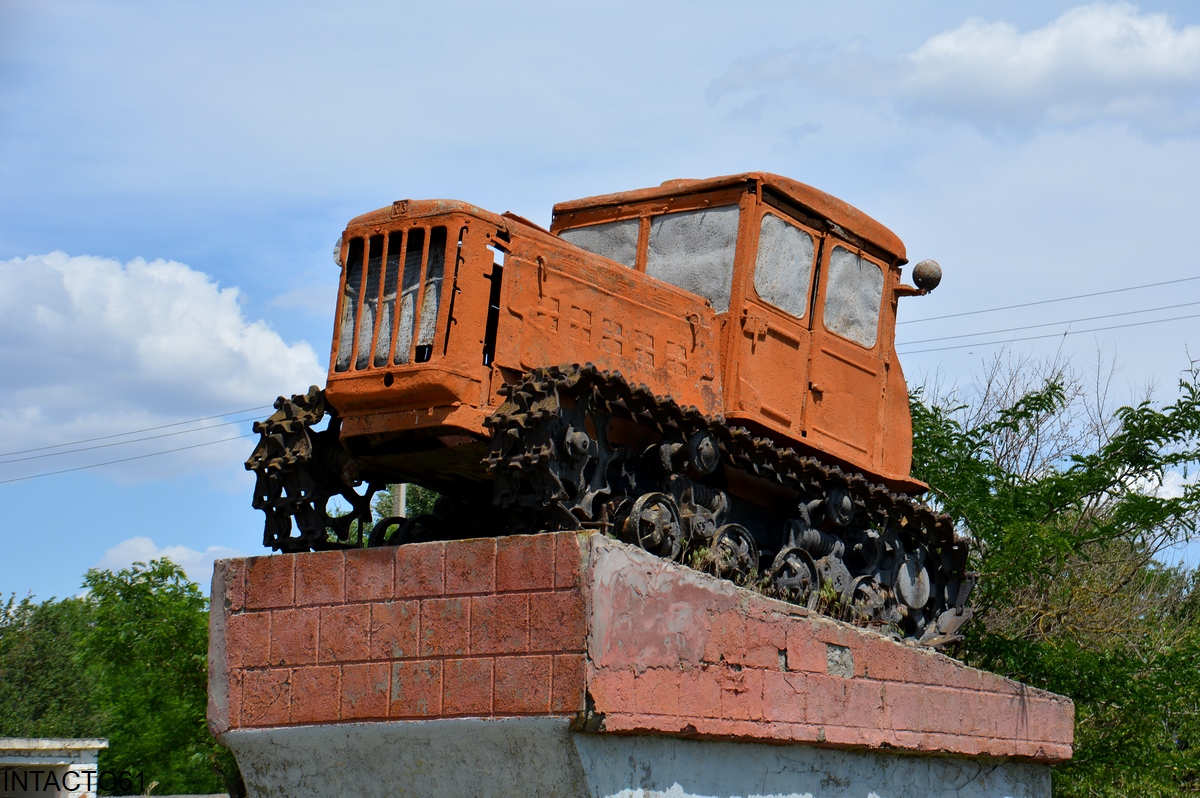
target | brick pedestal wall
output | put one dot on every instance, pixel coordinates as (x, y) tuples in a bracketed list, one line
[(589, 629)]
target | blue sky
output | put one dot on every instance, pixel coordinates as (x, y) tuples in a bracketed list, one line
[(173, 177)]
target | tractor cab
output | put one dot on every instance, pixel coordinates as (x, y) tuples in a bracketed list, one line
[(804, 287)]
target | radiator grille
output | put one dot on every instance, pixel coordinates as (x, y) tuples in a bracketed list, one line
[(392, 294)]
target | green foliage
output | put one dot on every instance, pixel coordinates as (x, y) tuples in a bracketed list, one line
[(1069, 515), (44, 691), (147, 648), (418, 501), (127, 662)]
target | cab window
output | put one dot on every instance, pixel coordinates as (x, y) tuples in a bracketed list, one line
[(853, 294), (694, 250), (613, 240), (784, 265)]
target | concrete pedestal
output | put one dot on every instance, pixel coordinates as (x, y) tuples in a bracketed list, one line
[(566, 665)]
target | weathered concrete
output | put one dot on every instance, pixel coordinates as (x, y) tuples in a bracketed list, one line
[(541, 757), (49, 766)]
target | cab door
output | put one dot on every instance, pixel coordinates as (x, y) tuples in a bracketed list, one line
[(773, 356), (847, 373)]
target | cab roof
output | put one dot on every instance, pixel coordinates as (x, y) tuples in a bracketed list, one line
[(826, 206)]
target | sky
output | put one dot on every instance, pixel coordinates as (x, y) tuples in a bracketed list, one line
[(173, 177)]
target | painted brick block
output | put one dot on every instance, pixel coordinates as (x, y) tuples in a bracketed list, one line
[(345, 632), (525, 562), (316, 693), (420, 570), (416, 689), (293, 637), (500, 624), (365, 689), (270, 581), (319, 579), (395, 629), (567, 685), (266, 697), (445, 627), (467, 687), (523, 685), (471, 566), (248, 639), (369, 574)]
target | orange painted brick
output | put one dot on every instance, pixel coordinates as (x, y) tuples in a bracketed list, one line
[(365, 691), (394, 629), (467, 687), (567, 560), (315, 695), (270, 581), (522, 685), (345, 633), (319, 578), (369, 574), (804, 651), (765, 639), (727, 640), (419, 570), (416, 689), (556, 621), (742, 695), (826, 698), (266, 697), (471, 566), (445, 627), (566, 690), (234, 717), (700, 692), (783, 700), (656, 692), (500, 624), (864, 703), (248, 639), (611, 688), (294, 636), (525, 562), (230, 576)]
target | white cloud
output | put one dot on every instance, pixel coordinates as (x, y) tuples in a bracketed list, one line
[(1095, 62), (94, 347), (197, 564), (1103, 62)]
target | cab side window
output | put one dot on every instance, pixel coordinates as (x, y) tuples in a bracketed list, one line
[(614, 240), (694, 251), (784, 265), (853, 294)]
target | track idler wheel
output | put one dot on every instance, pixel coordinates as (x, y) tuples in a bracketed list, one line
[(794, 575), (653, 524), (734, 553)]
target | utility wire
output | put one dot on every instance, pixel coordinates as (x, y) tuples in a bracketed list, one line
[(136, 431), (1051, 323), (1049, 301), (1049, 335), (123, 443), (124, 459)]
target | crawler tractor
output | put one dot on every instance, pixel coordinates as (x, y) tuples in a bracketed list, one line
[(705, 369)]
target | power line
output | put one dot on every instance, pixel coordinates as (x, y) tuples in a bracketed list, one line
[(123, 443), (124, 459), (136, 431), (1051, 323), (1049, 301), (1049, 335)]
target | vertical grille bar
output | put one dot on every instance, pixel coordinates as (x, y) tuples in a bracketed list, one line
[(409, 295), (370, 303), (431, 296), (387, 308), (346, 329)]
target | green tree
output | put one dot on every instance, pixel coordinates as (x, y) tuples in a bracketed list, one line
[(147, 649), (44, 690), (1072, 507), (127, 662)]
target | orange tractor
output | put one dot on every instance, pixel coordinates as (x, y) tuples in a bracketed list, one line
[(705, 369)]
